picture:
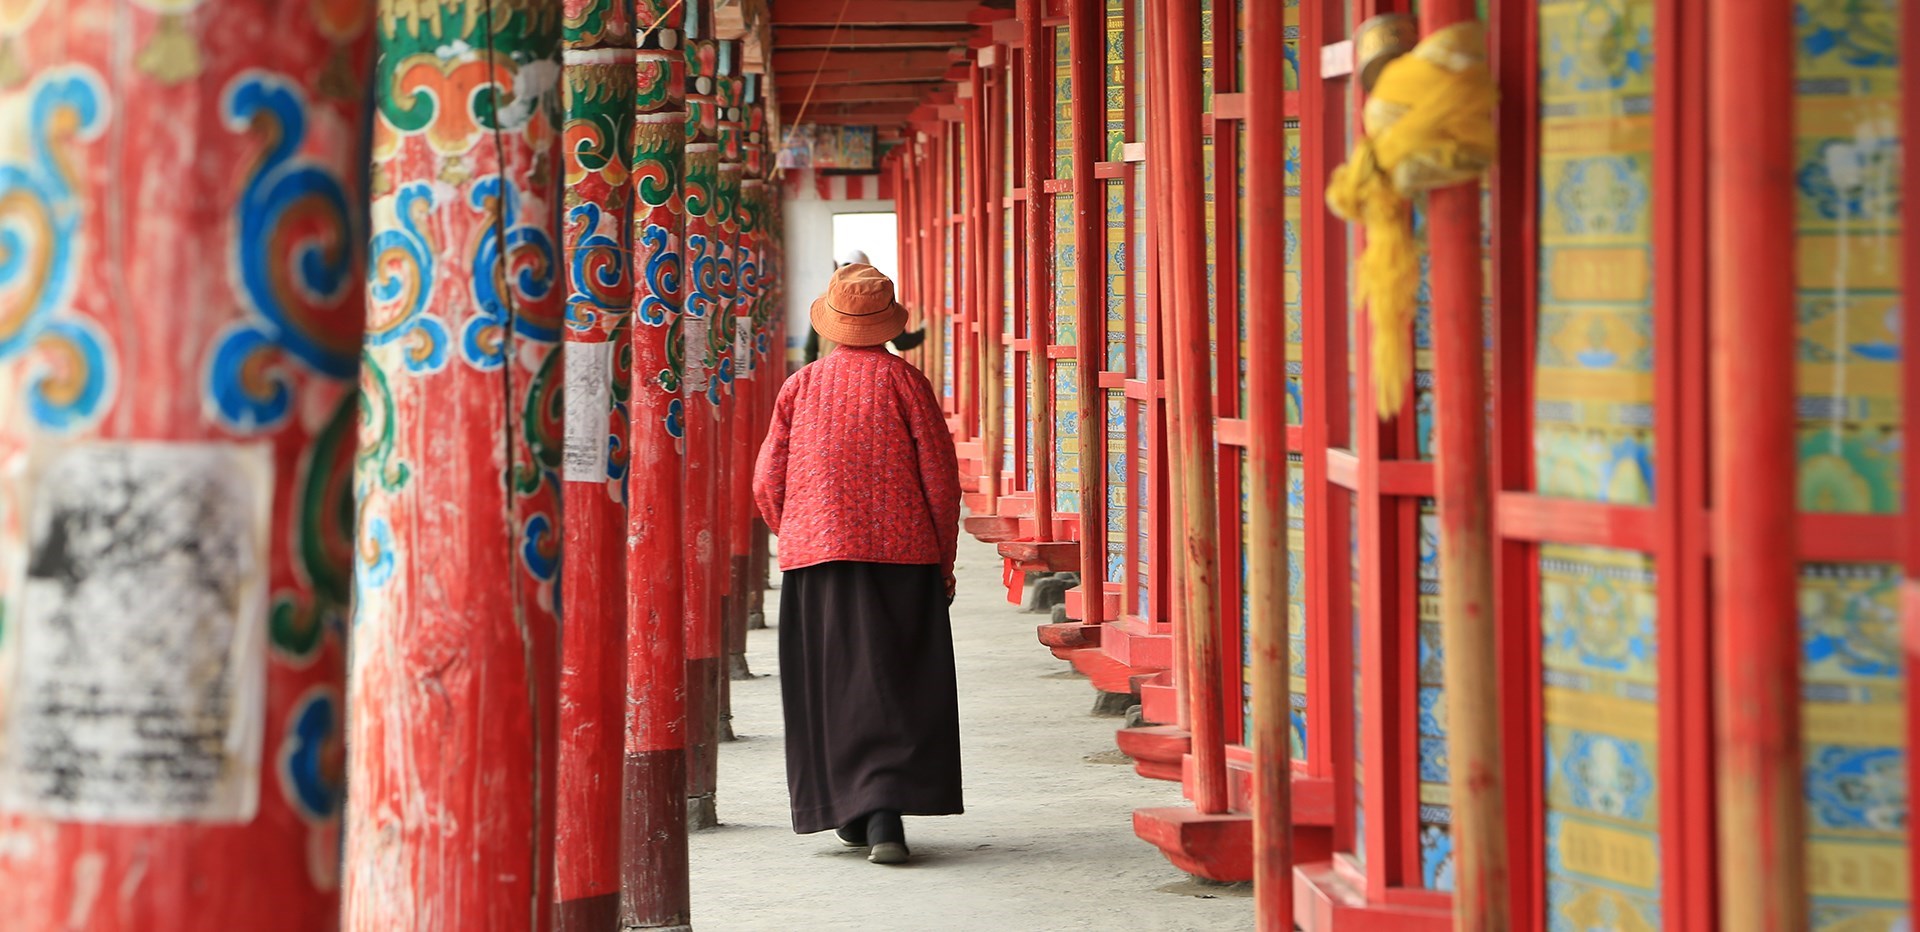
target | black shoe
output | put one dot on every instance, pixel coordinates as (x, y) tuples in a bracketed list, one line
[(854, 833), (888, 838)]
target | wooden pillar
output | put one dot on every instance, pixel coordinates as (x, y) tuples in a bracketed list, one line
[(1267, 555), (993, 411), (653, 858), (597, 91), (1086, 50), (706, 575), (1464, 482), (977, 210), (1192, 396), (178, 355), (1039, 246), (1165, 532), (1750, 170), (735, 495), (451, 698), (752, 272)]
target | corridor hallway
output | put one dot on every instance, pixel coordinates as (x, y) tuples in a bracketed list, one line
[(1045, 843)]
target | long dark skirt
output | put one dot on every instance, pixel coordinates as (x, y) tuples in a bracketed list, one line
[(866, 676)]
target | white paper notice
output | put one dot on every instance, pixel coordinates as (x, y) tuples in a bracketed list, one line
[(589, 399), (743, 348), (696, 332), (140, 648)]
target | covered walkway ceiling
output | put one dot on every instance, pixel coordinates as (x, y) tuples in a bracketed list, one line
[(872, 62)]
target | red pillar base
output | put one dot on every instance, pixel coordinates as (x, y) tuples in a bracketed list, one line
[(653, 841), (1218, 847), (1324, 901), (1157, 750)]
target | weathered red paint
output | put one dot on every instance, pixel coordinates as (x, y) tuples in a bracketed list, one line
[(597, 89), (1751, 162), (654, 882), (451, 700), (138, 242), (1194, 467), (1267, 560)]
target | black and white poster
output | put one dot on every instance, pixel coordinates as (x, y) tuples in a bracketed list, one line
[(138, 636)]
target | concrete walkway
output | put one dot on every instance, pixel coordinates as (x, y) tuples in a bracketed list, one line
[(1047, 841)]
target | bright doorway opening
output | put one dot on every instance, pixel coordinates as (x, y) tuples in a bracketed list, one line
[(874, 234)]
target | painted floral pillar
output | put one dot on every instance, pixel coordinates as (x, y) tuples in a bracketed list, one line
[(181, 220), (653, 860), (598, 87), (704, 386), (736, 361), (453, 684)]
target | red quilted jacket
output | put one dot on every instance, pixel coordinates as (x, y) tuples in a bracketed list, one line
[(858, 465)]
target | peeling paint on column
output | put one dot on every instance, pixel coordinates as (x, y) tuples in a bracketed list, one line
[(181, 293), (457, 554)]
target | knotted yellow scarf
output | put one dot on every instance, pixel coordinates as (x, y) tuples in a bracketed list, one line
[(1429, 124)]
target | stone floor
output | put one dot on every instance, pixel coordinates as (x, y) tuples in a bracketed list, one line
[(1046, 844)]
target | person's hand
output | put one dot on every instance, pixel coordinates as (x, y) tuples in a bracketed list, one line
[(952, 585)]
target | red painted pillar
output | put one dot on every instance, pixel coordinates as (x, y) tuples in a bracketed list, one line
[(1086, 47), (993, 330), (1195, 475), (1910, 410), (1465, 484), (754, 287), (451, 698), (737, 496), (1039, 246), (1267, 556), (653, 846), (1165, 531), (1750, 171), (181, 312), (597, 91), (704, 386)]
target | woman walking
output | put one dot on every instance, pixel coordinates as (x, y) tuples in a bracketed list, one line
[(859, 480)]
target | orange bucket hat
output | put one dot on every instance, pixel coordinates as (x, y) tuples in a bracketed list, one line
[(858, 308)]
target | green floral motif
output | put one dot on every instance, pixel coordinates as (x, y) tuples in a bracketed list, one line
[(542, 422), (1859, 474), (324, 540)]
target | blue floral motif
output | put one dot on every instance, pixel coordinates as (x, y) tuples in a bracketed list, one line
[(1601, 195), (663, 276), (1857, 789), (1606, 52), (400, 285), (290, 285), (596, 271), (1869, 158), (40, 213), (373, 567), (1863, 34), (1606, 775), (676, 420), (313, 731), (505, 245)]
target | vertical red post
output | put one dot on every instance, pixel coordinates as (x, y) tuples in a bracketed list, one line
[(597, 87), (706, 576), (653, 840), (993, 330), (1750, 161), (1086, 49), (1464, 483), (1039, 246), (1165, 529), (1267, 447), (1193, 398), (182, 303), (451, 697), (977, 351), (736, 498)]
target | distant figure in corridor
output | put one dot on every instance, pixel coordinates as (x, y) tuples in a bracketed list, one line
[(859, 480)]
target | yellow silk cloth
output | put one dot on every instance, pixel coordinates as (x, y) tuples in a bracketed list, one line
[(1429, 124)]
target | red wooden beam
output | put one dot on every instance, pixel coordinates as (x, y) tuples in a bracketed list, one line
[(1750, 148), (790, 38), (1267, 554), (872, 12), (794, 90), (877, 111), (806, 61), (795, 84)]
